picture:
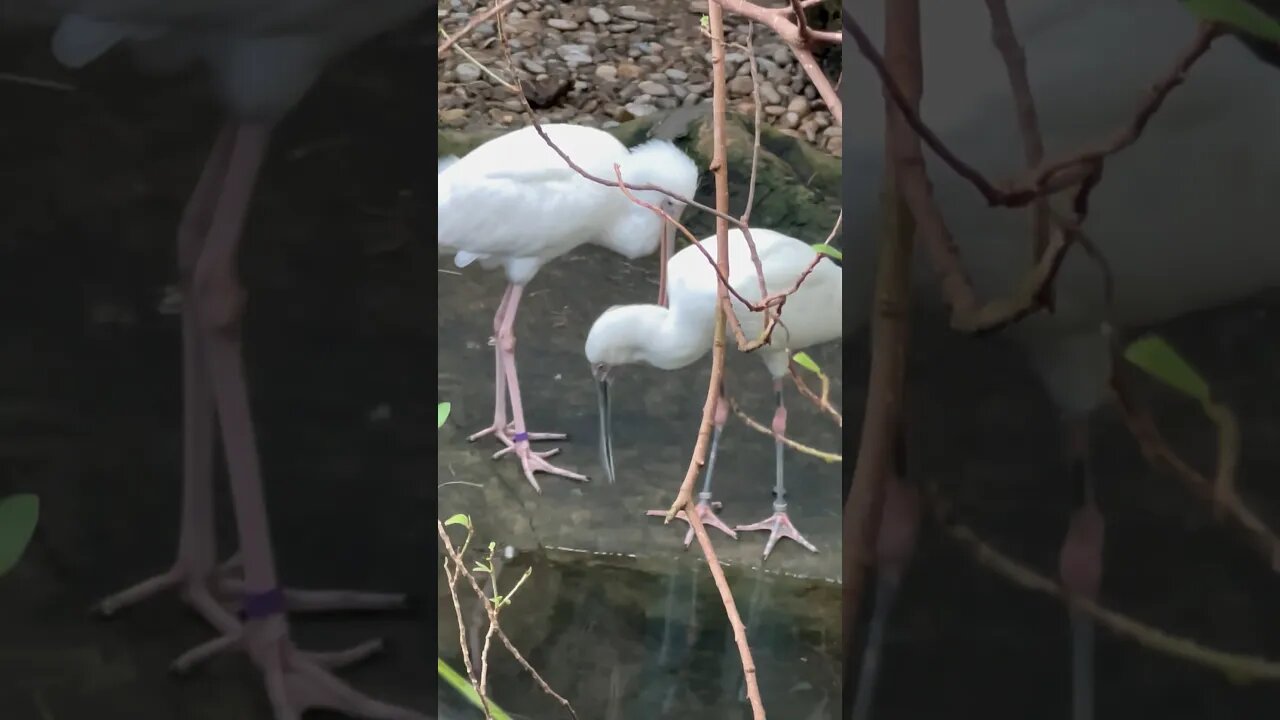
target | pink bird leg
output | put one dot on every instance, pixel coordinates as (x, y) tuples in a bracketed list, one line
[(214, 386), (501, 428), (505, 363)]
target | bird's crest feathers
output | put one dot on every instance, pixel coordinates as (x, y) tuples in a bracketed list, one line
[(663, 164)]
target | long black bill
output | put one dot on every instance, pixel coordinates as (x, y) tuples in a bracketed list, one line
[(606, 428)]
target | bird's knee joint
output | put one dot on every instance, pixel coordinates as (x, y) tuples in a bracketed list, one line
[(218, 298), (780, 421), (507, 341)]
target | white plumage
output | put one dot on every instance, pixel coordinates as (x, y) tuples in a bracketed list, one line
[(264, 56), (515, 203), (674, 337)]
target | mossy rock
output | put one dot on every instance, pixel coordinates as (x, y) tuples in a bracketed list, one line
[(797, 185)]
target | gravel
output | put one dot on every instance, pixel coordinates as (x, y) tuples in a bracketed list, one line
[(620, 62)]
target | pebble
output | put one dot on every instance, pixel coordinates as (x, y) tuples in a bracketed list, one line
[(574, 55), (467, 72), (629, 71), (741, 85), (631, 13), (641, 109), (622, 62), (650, 87), (454, 117)]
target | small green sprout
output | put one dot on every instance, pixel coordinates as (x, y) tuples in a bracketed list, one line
[(803, 360), (1239, 15), (1156, 357), (831, 252)]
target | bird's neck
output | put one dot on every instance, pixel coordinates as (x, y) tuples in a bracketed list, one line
[(634, 234), (678, 339)]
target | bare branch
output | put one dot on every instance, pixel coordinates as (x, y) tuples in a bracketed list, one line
[(1052, 177), (472, 24)]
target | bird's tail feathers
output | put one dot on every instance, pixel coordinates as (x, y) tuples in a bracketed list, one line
[(464, 258), (79, 39)]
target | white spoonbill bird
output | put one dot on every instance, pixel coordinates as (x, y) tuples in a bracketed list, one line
[(1186, 217), (263, 57), (515, 203), (676, 336)]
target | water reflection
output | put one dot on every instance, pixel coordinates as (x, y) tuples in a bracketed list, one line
[(623, 642)]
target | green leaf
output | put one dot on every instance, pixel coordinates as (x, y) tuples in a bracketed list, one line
[(18, 516), (459, 519), (442, 413), (825, 249), (705, 21), (1240, 15), (1158, 359), (806, 362), (459, 683)]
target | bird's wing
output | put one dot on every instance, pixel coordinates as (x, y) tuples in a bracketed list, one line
[(813, 313), (507, 211)]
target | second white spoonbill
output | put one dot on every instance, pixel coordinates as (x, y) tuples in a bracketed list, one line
[(674, 337), (515, 203)]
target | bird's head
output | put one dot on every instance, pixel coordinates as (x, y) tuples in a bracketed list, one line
[(617, 338), (662, 164)]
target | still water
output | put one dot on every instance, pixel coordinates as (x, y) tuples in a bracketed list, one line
[(621, 640)]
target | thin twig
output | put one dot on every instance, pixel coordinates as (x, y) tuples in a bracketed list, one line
[(777, 20), (1006, 42), (451, 575), (684, 497), (883, 425), (472, 24), (460, 567), (798, 447), (835, 229), (1156, 449), (36, 82), (482, 66), (823, 402), (1052, 177), (771, 317), (1237, 667)]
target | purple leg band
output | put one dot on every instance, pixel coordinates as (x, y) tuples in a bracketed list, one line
[(520, 437), (263, 605)]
